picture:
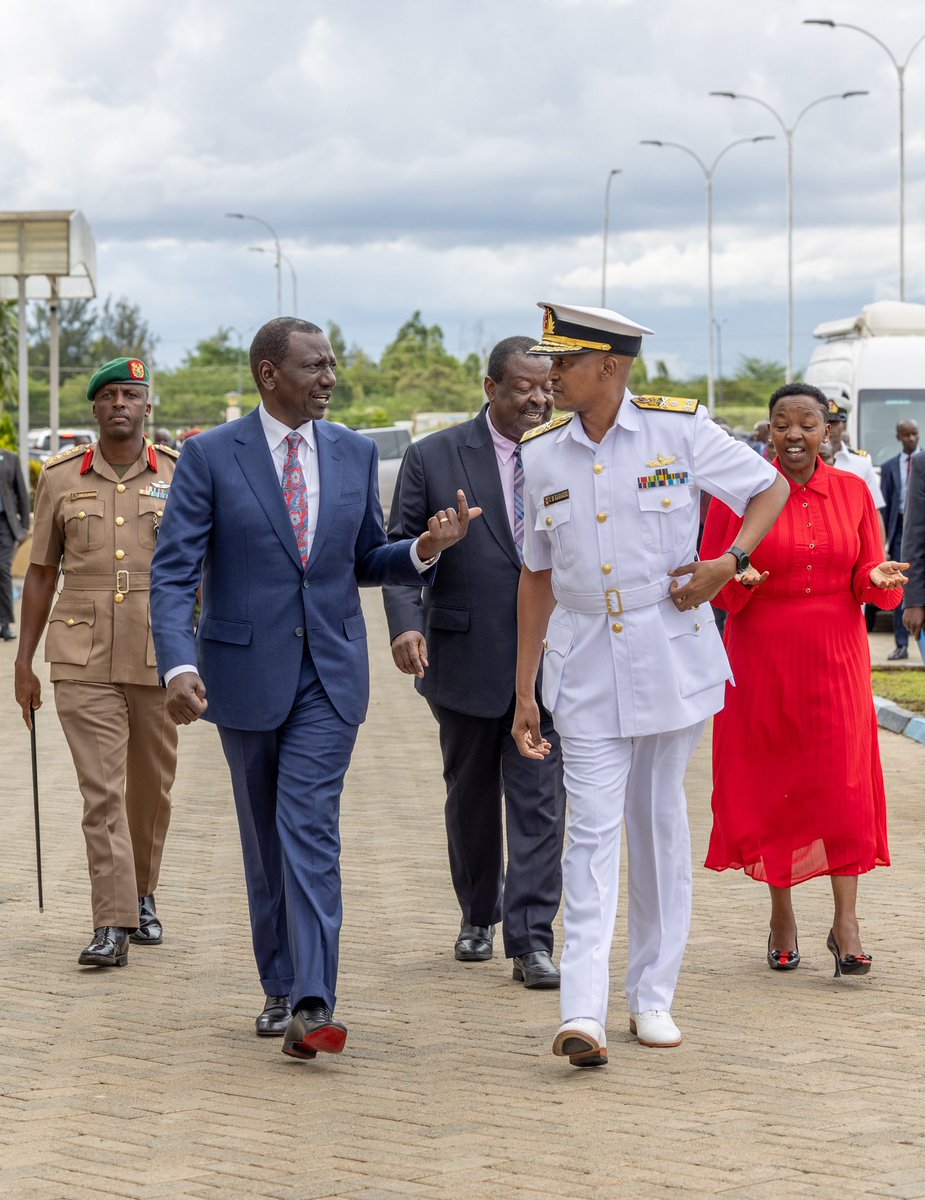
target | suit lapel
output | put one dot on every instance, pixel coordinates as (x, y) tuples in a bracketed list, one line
[(330, 479), (253, 455), (481, 466)]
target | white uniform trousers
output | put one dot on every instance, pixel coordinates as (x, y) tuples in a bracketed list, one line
[(639, 781)]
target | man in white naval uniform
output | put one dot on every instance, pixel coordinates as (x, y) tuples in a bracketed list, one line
[(633, 664), (857, 462)]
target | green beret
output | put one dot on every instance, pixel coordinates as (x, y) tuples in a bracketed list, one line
[(118, 370)]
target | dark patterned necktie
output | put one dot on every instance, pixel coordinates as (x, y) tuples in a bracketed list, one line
[(519, 503), (295, 494)]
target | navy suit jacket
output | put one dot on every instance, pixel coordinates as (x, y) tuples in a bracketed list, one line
[(469, 615), (226, 524), (889, 485)]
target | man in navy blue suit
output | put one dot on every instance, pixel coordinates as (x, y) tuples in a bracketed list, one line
[(277, 515), (894, 483)]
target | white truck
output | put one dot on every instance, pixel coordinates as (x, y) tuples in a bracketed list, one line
[(874, 364)]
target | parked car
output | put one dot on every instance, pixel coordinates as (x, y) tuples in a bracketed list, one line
[(393, 441), (40, 441)]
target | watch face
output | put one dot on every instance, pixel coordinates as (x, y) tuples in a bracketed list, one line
[(744, 562)]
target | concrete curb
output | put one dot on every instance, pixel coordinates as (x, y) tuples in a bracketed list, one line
[(899, 720)]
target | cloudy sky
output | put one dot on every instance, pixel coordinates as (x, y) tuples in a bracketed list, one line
[(451, 156)]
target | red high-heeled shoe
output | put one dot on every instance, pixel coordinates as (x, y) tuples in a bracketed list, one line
[(849, 964)]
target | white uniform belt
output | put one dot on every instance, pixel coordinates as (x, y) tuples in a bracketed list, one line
[(613, 601), (117, 581)]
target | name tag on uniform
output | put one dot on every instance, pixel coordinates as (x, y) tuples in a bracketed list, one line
[(83, 495), (555, 498)]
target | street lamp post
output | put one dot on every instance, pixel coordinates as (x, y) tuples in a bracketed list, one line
[(901, 77), (788, 134), (279, 273), (614, 171), (295, 286), (708, 172)]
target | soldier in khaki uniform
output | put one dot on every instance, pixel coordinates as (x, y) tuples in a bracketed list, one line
[(97, 512)]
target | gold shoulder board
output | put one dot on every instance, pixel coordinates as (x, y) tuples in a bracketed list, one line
[(675, 404), (555, 423), (167, 450), (65, 454), (862, 453)]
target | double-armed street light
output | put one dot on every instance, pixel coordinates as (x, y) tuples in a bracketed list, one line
[(288, 261), (708, 172), (788, 131), (901, 77), (279, 274), (613, 171)]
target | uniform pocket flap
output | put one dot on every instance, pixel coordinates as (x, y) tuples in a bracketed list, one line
[(554, 515), (81, 509), (153, 504), (694, 621), (663, 499), (355, 627), (74, 612), (456, 620), (237, 633)]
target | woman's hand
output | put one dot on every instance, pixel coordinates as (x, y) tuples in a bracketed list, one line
[(750, 578), (889, 574)]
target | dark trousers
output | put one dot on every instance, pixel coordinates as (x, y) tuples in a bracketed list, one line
[(287, 785), (481, 764), (8, 546), (900, 632)]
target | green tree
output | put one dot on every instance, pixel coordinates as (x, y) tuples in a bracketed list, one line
[(9, 347), (196, 392), (121, 331), (77, 323)]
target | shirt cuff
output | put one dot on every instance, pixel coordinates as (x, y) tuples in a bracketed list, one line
[(168, 675), (421, 564)]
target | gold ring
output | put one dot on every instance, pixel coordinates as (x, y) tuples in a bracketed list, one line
[(444, 520)]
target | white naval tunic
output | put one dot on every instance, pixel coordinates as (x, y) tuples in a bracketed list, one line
[(611, 522), (861, 465)]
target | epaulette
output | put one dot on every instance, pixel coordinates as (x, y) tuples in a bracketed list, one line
[(675, 404), (862, 453), (555, 423), (64, 454), (167, 450)]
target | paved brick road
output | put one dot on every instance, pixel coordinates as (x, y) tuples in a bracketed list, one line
[(148, 1082)]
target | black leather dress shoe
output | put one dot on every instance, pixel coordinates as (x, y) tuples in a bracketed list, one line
[(898, 653), (536, 970), (474, 943), (6, 633), (109, 948), (311, 1029), (150, 931), (275, 1018)]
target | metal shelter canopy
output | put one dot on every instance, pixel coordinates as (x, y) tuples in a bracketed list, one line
[(44, 256)]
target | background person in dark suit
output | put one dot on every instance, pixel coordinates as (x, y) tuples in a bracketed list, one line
[(913, 549), (459, 637), (894, 478), (278, 515), (14, 528)]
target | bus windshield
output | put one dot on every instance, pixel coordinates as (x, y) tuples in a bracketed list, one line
[(879, 409)]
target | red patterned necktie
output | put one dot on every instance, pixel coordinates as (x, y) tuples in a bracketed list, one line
[(295, 494)]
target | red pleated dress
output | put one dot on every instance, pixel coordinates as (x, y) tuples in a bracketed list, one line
[(797, 782)]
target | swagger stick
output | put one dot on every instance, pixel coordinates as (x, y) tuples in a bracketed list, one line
[(35, 803)]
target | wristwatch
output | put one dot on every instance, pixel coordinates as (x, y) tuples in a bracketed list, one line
[(743, 560)]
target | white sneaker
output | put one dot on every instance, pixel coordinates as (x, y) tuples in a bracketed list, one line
[(655, 1028), (583, 1040)]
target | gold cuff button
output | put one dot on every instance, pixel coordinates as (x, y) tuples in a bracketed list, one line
[(598, 468), (607, 568), (617, 627), (120, 554), (601, 518), (120, 520), (120, 487), (666, 503), (119, 598), (70, 620), (81, 515), (549, 520)]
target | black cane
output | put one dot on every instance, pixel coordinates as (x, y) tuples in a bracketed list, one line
[(35, 803)]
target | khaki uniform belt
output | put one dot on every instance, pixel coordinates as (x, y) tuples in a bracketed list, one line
[(613, 601), (117, 581)]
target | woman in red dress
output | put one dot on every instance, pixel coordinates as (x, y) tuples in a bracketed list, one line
[(783, 810)]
